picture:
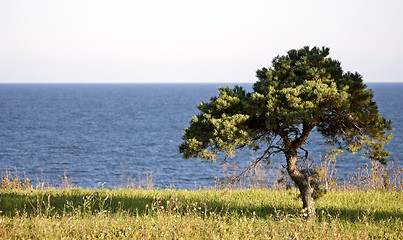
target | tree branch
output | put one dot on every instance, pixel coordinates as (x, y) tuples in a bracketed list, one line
[(253, 165), (306, 129)]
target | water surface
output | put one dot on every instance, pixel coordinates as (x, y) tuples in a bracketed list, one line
[(99, 133)]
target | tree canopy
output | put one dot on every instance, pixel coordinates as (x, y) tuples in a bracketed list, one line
[(302, 90)]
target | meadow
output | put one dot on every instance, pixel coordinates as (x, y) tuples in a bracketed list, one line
[(367, 207)]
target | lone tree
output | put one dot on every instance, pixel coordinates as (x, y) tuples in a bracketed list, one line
[(303, 90)]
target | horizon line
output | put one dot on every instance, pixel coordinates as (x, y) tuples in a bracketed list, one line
[(127, 83)]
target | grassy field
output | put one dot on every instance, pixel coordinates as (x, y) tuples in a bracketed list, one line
[(27, 213), (367, 206)]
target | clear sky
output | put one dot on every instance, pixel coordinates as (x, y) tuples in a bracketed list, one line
[(149, 41)]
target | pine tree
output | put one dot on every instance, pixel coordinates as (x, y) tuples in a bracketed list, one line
[(302, 91)]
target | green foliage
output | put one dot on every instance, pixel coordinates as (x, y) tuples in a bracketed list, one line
[(303, 90), (220, 127)]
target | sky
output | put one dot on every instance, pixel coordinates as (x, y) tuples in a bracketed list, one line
[(191, 41)]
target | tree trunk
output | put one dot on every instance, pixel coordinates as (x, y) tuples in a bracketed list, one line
[(303, 183)]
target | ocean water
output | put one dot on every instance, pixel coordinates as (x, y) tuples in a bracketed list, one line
[(101, 133)]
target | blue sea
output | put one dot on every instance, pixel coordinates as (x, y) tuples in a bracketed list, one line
[(100, 134)]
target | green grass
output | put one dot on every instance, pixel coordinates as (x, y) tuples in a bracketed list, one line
[(202, 214)]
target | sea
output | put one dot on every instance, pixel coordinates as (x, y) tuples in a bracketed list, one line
[(114, 135)]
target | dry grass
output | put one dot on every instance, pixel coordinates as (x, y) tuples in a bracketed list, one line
[(367, 206), (203, 214)]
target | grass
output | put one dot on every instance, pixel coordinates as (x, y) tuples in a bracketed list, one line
[(202, 214), (368, 206)]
